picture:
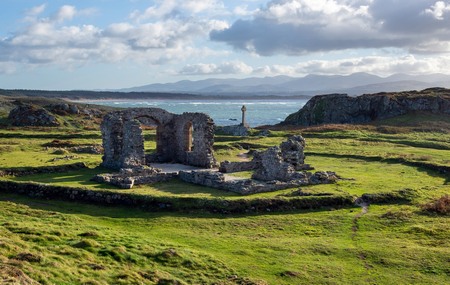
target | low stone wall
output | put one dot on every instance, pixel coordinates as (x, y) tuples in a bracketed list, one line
[(40, 170), (127, 178), (235, 130), (230, 167), (183, 204), (217, 180)]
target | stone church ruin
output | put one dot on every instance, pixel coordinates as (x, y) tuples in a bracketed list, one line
[(188, 139)]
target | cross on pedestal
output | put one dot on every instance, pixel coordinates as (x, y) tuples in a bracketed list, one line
[(243, 109)]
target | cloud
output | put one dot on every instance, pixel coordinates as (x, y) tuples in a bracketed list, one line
[(64, 13), (177, 8), (296, 27), (50, 40), (383, 66), (438, 10), (234, 67)]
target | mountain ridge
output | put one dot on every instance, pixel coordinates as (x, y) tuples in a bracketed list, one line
[(312, 84)]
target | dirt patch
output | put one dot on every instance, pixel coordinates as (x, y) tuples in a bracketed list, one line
[(26, 256), (13, 275)]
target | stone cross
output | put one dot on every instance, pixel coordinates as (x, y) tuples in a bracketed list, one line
[(243, 109)]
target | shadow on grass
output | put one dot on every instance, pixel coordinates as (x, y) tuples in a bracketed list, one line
[(430, 169), (75, 178), (83, 178), (50, 136), (126, 212)]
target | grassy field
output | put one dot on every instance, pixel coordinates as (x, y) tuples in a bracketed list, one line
[(57, 242)]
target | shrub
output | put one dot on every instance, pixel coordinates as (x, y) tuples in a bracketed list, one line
[(439, 206)]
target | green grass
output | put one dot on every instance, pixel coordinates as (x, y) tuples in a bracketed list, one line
[(129, 246), (55, 242)]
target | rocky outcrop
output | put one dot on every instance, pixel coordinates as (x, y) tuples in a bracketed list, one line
[(343, 109), (29, 115), (63, 108)]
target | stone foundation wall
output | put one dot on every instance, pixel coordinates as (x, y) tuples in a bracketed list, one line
[(128, 177), (235, 130), (217, 180), (230, 167), (188, 204)]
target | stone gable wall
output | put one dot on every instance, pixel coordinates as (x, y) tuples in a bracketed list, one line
[(124, 143)]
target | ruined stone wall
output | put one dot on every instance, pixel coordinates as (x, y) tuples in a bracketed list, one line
[(231, 166), (217, 180), (123, 140)]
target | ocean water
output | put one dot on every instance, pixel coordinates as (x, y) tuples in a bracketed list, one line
[(223, 112)]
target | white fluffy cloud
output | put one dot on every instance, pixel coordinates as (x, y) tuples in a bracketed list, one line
[(439, 9), (296, 27), (169, 8), (51, 40), (379, 65), (234, 67)]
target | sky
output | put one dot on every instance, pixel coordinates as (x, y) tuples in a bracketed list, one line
[(110, 44)]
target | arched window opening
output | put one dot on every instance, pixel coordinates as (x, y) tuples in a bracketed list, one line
[(188, 136)]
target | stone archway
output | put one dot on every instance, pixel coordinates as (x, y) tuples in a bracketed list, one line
[(186, 138), (151, 123)]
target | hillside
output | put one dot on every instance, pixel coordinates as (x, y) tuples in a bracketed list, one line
[(343, 109), (312, 84)]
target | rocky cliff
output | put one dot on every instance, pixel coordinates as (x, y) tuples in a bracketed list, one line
[(343, 109)]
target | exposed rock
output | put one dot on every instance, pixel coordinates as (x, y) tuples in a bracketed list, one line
[(90, 149), (343, 109), (29, 115), (63, 108)]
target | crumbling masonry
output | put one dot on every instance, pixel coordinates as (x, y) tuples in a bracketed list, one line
[(187, 138)]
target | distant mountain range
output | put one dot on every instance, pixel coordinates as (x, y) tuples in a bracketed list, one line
[(354, 84)]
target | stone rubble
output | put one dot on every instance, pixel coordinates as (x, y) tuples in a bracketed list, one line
[(128, 177), (188, 139)]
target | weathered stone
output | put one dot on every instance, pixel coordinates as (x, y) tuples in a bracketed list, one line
[(187, 138), (91, 149), (29, 115), (292, 152), (234, 130), (64, 108), (128, 177), (214, 179), (273, 166), (230, 167)]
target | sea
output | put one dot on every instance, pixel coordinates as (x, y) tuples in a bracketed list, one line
[(223, 112)]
